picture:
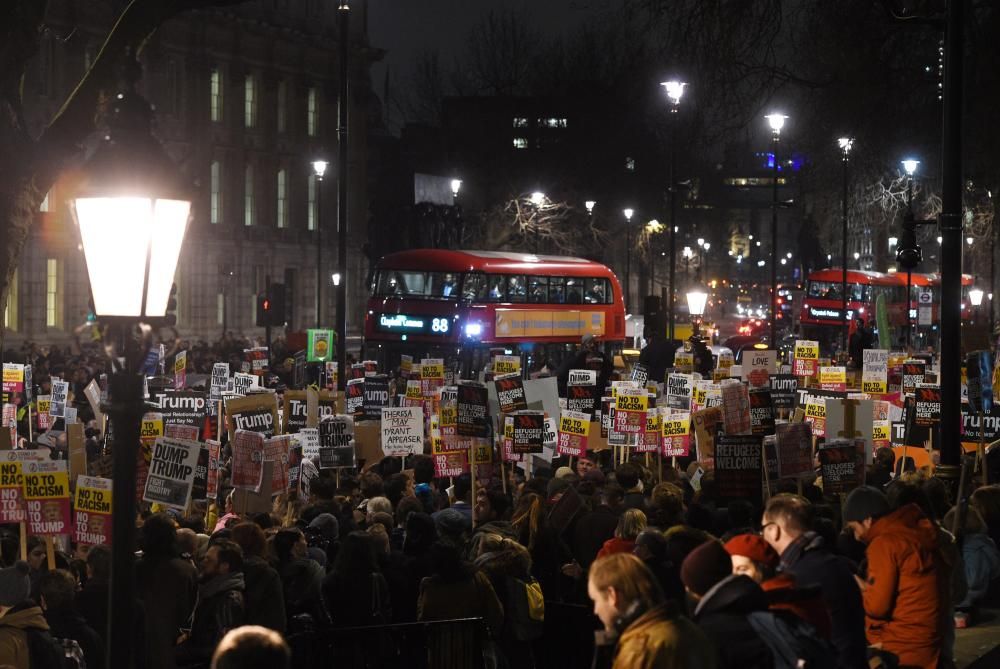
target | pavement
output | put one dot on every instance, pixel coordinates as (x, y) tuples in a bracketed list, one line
[(978, 647)]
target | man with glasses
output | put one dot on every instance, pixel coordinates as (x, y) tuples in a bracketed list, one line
[(786, 526)]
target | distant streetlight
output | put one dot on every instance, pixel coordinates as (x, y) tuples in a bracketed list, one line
[(628, 212), (701, 241), (845, 144), (976, 297), (776, 121), (319, 169), (696, 300), (537, 198), (335, 277), (675, 91), (892, 242), (910, 166), (456, 185), (590, 204)]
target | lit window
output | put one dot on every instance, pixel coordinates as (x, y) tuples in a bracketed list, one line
[(53, 308), (10, 310), (552, 123), (282, 199), (311, 209), (220, 308), (282, 109), (520, 122), (312, 113), (215, 206), (215, 93), (629, 164), (249, 101), (248, 197), (44, 206), (520, 143)]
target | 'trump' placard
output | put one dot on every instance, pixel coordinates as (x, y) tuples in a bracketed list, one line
[(171, 472)]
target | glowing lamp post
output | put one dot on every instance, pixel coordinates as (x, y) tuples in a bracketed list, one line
[(776, 122), (628, 212), (675, 91), (696, 300), (319, 169), (132, 209)]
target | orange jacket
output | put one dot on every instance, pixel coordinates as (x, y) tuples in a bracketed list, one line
[(903, 594)]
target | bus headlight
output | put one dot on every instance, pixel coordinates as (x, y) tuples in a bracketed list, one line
[(473, 329)]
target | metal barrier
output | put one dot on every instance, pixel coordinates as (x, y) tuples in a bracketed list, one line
[(432, 644)]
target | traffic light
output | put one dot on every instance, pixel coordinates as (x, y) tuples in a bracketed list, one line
[(908, 252), (170, 316), (271, 306)]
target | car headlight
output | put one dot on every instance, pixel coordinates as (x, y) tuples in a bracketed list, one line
[(473, 329)]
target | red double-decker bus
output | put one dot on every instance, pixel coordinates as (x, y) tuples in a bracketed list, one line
[(460, 305)]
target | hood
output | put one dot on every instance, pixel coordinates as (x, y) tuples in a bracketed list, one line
[(27, 618), (983, 547), (909, 524), (222, 583), (734, 594), (506, 563)]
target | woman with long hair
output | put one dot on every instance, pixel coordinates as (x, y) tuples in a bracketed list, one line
[(550, 555)]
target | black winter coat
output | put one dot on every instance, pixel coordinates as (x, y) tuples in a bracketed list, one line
[(265, 597), (220, 608), (722, 616)]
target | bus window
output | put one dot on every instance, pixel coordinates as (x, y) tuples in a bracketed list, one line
[(516, 289), (496, 288), (557, 290), (574, 290), (598, 291), (418, 284), (474, 287), (538, 289)]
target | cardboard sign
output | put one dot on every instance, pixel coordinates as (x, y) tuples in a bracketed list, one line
[(676, 432), (12, 508), (680, 388), (248, 460), (630, 412), (581, 390), (528, 431), (738, 466), (276, 452), (212, 482), (402, 431), (92, 509), (320, 345), (928, 406), (574, 431), (913, 375), (376, 396), (180, 370), (243, 383), (784, 389), (684, 362), (220, 381), (46, 497), (171, 472), (510, 394), (833, 378), (258, 359), (758, 365), (805, 360), (354, 403), (875, 371), (651, 438), (295, 411), (735, 407), (60, 395), (793, 444), (472, 415), (506, 364), (707, 423), (255, 413), (761, 412), (842, 465)]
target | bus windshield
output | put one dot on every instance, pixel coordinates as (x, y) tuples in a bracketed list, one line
[(425, 285)]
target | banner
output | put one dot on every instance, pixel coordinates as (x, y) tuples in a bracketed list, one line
[(320, 345), (180, 370), (171, 472), (679, 390), (676, 435), (738, 466), (842, 465), (793, 443), (255, 413), (12, 508), (472, 415), (805, 360), (528, 431), (574, 431), (46, 497), (92, 507), (248, 460), (402, 431), (510, 394)]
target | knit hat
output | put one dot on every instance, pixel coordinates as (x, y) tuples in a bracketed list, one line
[(450, 522), (595, 475), (15, 584), (557, 486), (705, 566), (753, 547), (865, 502), (328, 525), (562, 472)]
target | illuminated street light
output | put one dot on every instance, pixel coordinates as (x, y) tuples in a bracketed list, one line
[(910, 166), (976, 297), (675, 90), (590, 204), (456, 185), (538, 198)]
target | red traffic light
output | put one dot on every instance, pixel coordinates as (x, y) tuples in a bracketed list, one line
[(267, 304)]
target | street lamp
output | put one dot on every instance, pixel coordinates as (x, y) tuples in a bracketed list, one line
[(590, 204), (335, 277), (456, 185), (628, 212), (132, 209), (696, 300), (845, 144), (538, 198), (319, 169), (776, 121), (675, 91), (910, 166)]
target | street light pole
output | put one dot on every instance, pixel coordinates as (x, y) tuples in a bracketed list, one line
[(845, 144), (675, 90), (910, 166), (776, 121), (628, 257), (319, 169), (344, 14)]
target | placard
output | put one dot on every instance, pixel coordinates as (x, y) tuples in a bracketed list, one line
[(842, 465), (640, 373), (651, 438), (805, 360), (295, 413), (510, 394), (60, 394), (574, 431), (506, 364), (219, 382), (276, 452), (248, 460), (758, 365), (258, 359), (793, 443), (319, 345), (376, 396), (528, 431), (833, 378), (13, 377), (913, 375), (784, 389), (676, 435), (212, 483), (735, 407), (431, 374), (928, 406), (12, 508), (354, 403), (738, 466), (335, 433), (761, 412), (402, 431), (630, 412), (180, 370), (338, 457), (707, 423), (171, 472), (679, 391), (472, 415), (92, 511), (684, 362), (183, 407), (875, 371), (308, 438), (46, 497), (256, 413)]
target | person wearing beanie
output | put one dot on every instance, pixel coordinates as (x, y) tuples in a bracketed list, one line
[(787, 526), (722, 602), (906, 582), (650, 631), (19, 616)]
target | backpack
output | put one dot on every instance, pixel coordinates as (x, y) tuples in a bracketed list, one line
[(525, 609), (46, 651), (794, 643)]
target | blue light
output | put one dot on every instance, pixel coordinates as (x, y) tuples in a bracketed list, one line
[(473, 329)]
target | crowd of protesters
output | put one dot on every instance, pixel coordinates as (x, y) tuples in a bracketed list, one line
[(665, 571)]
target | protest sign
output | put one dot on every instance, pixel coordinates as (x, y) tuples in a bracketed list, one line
[(220, 381), (529, 431), (12, 508), (833, 378), (758, 365), (371, 367), (335, 433), (707, 423), (212, 482), (93, 394), (308, 438), (92, 510), (60, 394), (354, 403), (338, 457), (927, 412), (761, 411), (150, 429), (431, 374), (180, 370), (630, 411), (471, 410), (46, 497), (330, 382), (650, 440), (574, 431), (171, 472), (276, 452), (319, 345), (581, 390), (181, 432), (735, 407), (881, 434), (258, 359), (256, 413), (295, 410), (679, 390), (875, 371), (640, 373), (805, 359), (988, 429), (376, 396), (13, 378), (738, 466), (510, 394), (243, 383), (248, 460), (851, 419), (506, 364), (842, 465), (913, 375), (783, 390), (402, 431), (793, 443), (183, 407), (676, 431), (43, 405), (684, 361)]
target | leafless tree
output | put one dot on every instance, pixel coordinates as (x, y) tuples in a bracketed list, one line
[(553, 226)]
